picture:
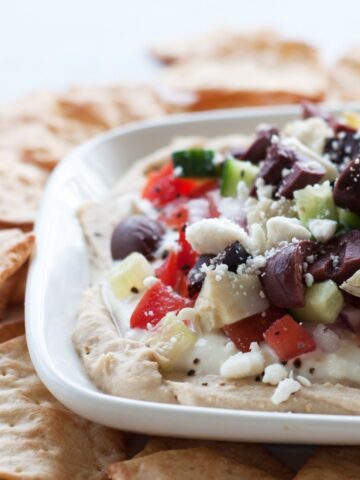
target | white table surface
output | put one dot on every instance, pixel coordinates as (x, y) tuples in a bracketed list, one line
[(56, 43)]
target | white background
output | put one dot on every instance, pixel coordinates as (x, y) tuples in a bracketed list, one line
[(55, 43)]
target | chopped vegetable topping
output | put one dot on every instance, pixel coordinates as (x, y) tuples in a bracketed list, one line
[(288, 339)]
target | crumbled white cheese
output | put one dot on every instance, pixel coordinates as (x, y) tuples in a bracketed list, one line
[(150, 281), (263, 190), (285, 388), (322, 229), (284, 229), (305, 382), (243, 365), (274, 374), (178, 171), (309, 279), (312, 132), (212, 235), (243, 190)]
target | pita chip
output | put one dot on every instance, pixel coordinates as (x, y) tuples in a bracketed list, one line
[(39, 437), (195, 463), (21, 188), (249, 454), (332, 463)]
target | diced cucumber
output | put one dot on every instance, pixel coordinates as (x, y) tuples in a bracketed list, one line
[(196, 162), (233, 172), (348, 219), (171, 339), (323, 303), (128, 275), (315, 201)]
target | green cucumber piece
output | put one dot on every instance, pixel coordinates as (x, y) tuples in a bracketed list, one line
[(233, 172), (323, 303), (128, 275), (196, 162), (315, 201), (348, 219)]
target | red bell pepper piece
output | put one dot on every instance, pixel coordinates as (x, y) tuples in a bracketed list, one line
[(155, 304), (252, 329), (163, 187), (187, 256), (167, 272), (288, 339), (175, 214)]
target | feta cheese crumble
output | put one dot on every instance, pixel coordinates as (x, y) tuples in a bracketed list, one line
[(243, 365), (283, 229), (322, 229), (285, 388), (274, 374)]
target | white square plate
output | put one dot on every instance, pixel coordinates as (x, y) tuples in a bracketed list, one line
[(59, 273)]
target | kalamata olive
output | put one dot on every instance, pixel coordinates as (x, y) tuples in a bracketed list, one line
[(347, 187), (300, 175), (282, 277), (345, 145), (278, 157), (233, 256), (337, 259), (197, 276), (257, 150), (136, 233), (310, 110)]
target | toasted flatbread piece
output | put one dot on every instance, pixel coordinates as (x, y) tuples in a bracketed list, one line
[(246, 453), (222, 42), (21, 188), (230, 69), (345, 76), (233, 82), (18, 292), (194, 463), (15, 248), (39, 437), (10, 329), (332, 463), (110, 106)]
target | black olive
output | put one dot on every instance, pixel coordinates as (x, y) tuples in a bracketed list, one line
[(233, 256), (136, 233), (197, 276)]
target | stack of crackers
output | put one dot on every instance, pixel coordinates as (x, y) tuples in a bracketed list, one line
[(40, 438)]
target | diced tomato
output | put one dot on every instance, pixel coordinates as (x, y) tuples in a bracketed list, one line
[(203, 187), (167, 272), (175, 214), (288, 339), (187, 256), (155, 304), (252, 329), (182, 284), (163, 187)]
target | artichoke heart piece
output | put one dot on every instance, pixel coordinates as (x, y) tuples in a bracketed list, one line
[(227, 298), (352, 284)]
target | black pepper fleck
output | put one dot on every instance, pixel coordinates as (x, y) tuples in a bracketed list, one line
[(196, 361), (312, 370), (284, 362), (191, 373), (134, 290), (164, 254), (257, 378), (204, 384), (297, 363)]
